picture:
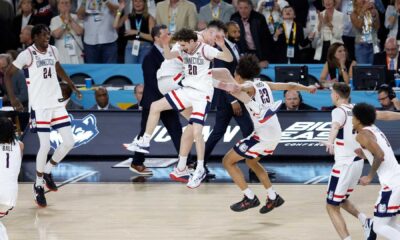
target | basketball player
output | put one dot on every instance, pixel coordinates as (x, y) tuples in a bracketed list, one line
[(262, 141), (40, 63), (377, 149), (10, 165)]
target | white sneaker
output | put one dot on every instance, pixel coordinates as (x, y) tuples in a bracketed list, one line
[(267, 113), (369, 233), (138, 145), (180, 176), (196, 178)]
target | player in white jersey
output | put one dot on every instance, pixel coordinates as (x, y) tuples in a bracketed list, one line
[(262, 141), (10, 165), (377, 149), (40, 62)]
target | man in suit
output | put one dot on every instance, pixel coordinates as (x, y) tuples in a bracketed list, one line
[(255, 37), (138, 93), (294, 102), (102, 100), (389, 58), (214, 10), (66, 93), (170, 119), (227, 105)]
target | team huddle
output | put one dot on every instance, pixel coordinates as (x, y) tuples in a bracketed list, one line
[(187, 82)]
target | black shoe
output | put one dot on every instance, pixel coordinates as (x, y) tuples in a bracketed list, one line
[(39, 195), (245, 204), (271, 204), (50, 184)]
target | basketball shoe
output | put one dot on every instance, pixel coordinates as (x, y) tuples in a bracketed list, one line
[(50, 184), (369, 233), (245, 204), (271, 204), (180, 176), (267, 113), (39, 195), (196, 178), (140, 170), (138, 145)]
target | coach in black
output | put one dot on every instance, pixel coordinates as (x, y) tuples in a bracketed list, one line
[(170, 119), (227, 105)]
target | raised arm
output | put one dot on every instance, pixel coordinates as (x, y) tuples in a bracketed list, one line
[(387, 115), (292, 86), (225, 55)]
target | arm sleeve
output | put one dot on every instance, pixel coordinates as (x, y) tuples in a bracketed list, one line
[(339, 116), (23, 59)]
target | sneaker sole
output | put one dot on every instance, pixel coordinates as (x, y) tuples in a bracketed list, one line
[(178, 179), (140, 173), (126, 146), (242, 210)]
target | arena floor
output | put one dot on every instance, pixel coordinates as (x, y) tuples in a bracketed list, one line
[(122, 211)]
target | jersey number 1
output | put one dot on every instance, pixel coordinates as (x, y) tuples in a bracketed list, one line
[(7, 160), (46, 73)]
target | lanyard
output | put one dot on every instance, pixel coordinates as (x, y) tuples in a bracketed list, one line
[(294, 29), (173, 12), (138, 23), (215, 12)]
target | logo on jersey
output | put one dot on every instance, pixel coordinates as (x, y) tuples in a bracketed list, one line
[(243, 147), (306, 134), (45, 62), (84, 131), (330, 195), (382, 208)]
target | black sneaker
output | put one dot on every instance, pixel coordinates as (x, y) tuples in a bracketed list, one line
[(271, 204), (245, 204), (39, 195), (50, 184)]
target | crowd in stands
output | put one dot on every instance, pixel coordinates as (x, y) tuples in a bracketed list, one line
[(337, 33)]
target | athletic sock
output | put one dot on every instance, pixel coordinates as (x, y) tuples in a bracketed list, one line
[(347, 238), (271, 193), (182, 163), (200, 164), (48, 167), (362, 218), (146, 138), (248, 193), (39, 181)]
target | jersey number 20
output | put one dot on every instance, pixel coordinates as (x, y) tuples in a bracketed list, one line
[(46, 73), (192, 69)]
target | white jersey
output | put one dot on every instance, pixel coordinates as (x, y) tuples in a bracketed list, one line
[(41, 76), (270, 129), (345, 142), (10, 165), (171, 67), (197, 67), (389, 170)]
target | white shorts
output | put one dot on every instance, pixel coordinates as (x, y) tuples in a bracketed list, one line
[(344, 177), (168, 83), (8, 197), (254, 147), (185, 97), (388, 203), (44, 119)]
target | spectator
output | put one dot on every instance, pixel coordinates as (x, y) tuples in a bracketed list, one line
[(102, 102), (329, 29), (137, 25), (294, 101), (310, 20), (215, 10), (25, 37), (389, 58), (6, 18), (338, 66), (387, 98), (67, 30), (346, 7), (288, 38), (138, 93), (100, 38), (255, 38), (176, 14), (272, 13), (303, 7), (66, 93), (43, 12), (18, 82), (392, 19), (23, 19), (365, 21)]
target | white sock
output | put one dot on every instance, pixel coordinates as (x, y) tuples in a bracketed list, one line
[(362, 218), (255, 107), (271, 193), (146, 138), (39, 181), (48, 167), (200, 164), (248, 193), (182, 163), (348, 238)]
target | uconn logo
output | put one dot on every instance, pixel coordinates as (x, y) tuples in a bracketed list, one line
[(84, 131)]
